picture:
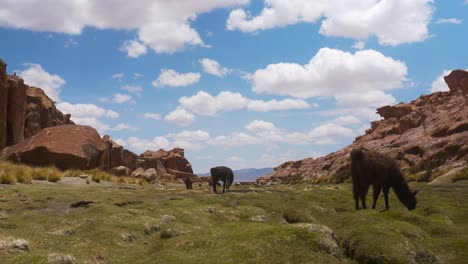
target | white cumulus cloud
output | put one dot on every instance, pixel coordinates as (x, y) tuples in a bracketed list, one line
[(171, 78), (134, 48), (164, 26), (392, 21), (180, 117), (334, 73), (448, 21), (35, 75), (439, 85), (206, 104), (153, 116), (214, 68)]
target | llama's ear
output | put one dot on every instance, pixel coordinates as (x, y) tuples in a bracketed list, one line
[(415, 192)]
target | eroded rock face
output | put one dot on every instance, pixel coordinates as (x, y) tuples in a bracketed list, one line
[(66, 147), (3, 104), (118, 156), (425, 134), (15, 110), (40, 112), (173, 159), (457, 79)]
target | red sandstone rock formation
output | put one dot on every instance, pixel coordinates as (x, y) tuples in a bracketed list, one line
[(118, 156), (15, 110), (41, 112), (66, 147), (3, 104), (425, 134), (173, 159)]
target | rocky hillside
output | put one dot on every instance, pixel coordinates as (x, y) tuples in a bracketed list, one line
[(24, 110), (34, 132), (429, 133)]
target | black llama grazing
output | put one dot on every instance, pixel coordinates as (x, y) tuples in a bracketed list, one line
[(188, 183), (372, 168), (224, 174)]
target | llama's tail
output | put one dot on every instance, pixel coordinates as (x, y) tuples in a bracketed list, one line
[(357, 154)]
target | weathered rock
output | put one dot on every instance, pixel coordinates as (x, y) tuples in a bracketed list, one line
[(457, 79), (3, 104), (173, 159), (184, 175), (12, 244), (118, 156), (447, 177), (325, 237), (120, 171), (427, 133), (55, 258), (149, 174), (41, 112), (66, 147), (137, 173), (16, 106)]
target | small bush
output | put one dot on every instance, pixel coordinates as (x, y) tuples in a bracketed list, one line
[(23, 174), (96, 178), (6, 178), (54, 175), (72, 173), (39, 174)]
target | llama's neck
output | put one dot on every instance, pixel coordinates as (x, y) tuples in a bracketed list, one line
[(402, 190)]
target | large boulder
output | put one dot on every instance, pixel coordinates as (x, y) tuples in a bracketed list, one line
[(41, 112), (3, 104), (457, 79), (118, 156), (121, 171), (66, 147), (173, 159)]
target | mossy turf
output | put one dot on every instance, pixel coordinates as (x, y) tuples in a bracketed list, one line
[(120, 223)]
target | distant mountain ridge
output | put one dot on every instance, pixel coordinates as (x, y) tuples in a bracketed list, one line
[(250, 174)]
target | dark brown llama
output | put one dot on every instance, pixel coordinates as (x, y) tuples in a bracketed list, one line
[(224, 174), (188, 183), (371, 168)]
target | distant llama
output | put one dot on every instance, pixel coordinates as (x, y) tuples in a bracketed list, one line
[(371, 168), (223, 174)]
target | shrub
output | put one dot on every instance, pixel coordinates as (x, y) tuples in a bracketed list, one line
[(54, 175), (39, 174), (24, 174), (7, 178), (72, 173)]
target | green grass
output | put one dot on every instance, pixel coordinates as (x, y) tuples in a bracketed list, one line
[(125, 224)]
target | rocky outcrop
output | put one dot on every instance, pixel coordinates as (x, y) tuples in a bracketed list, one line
[(66, 147), (24, 110), (40, 112), (15, 110), (173, 159), (428, 133), (458, 79), (121, 171), (3, 104), (116, 156)]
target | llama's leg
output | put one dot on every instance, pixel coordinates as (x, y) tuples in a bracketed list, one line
[(224, 185), (214, 187), (376, 195), (385, 192), (356, 200), (363, 201)]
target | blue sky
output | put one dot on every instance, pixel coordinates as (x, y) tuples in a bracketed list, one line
[(233, 82)]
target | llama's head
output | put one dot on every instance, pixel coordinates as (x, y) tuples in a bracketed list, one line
[(411, 201)]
